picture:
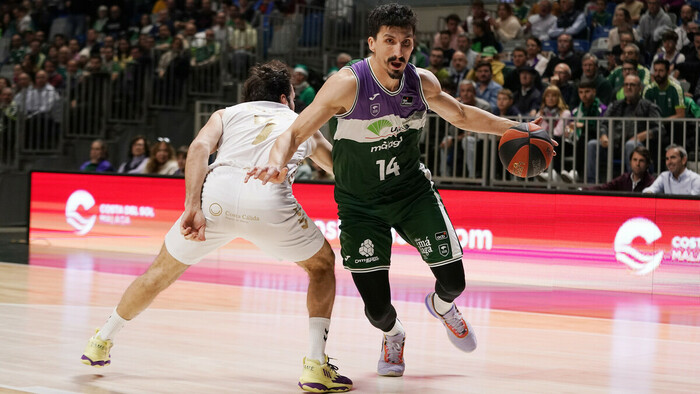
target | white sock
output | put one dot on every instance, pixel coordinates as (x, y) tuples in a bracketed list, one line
[(396, 330), (441, 306), (318, 335), (112, 326)]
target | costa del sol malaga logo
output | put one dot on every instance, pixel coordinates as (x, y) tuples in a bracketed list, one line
[(84, 200), (640, 263)]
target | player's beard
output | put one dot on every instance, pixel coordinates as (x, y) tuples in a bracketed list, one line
[(659, 80), (395, 74)]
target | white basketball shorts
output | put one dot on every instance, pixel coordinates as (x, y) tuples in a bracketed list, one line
[(267, 215)]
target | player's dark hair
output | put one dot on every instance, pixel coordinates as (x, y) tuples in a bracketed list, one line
[(267, 82), (394, 15)]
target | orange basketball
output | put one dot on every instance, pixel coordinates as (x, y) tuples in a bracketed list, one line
[(525, 150)]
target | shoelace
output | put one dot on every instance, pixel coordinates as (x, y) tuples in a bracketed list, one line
[(394, 351), (334, 369), (455, 320)]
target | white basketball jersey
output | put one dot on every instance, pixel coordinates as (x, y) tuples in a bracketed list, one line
[(250, 130)]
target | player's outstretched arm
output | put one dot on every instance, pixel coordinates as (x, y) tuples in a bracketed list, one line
[(462, 116), (193, 223), (336, 96), (321, 152)]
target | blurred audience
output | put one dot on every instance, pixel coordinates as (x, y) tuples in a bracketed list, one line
[(137, 157), (98, 158), (677, 179), (635, 180), (162, 160)]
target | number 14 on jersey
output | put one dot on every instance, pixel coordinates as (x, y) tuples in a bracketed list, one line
[(386, 170)]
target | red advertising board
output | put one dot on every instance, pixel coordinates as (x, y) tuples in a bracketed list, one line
[(609, 243)]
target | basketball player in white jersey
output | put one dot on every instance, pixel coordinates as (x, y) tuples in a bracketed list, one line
[(219, 207)]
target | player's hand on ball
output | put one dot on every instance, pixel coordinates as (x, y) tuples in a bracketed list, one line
[(538, 122)]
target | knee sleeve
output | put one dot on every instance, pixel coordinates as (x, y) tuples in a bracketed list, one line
[(382, 319), (376, 294), (449, 280)]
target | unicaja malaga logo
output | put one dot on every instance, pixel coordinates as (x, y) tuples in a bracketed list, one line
[(82, 199), (640, 263)]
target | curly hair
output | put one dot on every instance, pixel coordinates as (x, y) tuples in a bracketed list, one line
[(267, 82), (395, 15)]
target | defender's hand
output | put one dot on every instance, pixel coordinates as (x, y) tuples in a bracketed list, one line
[(267, 174)]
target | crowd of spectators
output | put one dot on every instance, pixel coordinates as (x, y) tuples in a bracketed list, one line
[(156, 158), (63, 52), (563, 60), (53, 46), (567, 60)]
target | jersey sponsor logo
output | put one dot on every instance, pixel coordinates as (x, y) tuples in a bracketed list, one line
[(374, 109), (367, 250), (80, 199), (386, 145), (378, 126), (407, 101), (424, 246), (215, 209), (374, 96), (444, 249), (442, 235), (640, 263)]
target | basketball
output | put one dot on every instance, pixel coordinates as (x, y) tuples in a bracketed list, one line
[(525, 150)]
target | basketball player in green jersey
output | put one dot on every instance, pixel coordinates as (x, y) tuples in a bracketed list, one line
[(380, 105)]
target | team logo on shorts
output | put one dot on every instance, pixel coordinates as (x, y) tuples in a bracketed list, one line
[(444, 250), (374, 109), (442, 235), (215, 209), (367, 248)]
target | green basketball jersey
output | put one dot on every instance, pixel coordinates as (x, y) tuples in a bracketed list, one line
[(376, 154)]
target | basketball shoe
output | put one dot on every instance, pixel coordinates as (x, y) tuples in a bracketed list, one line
[(323, 378), (459, 331), (96, 352), (391, 360)]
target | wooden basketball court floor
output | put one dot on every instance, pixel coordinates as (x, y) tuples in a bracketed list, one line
[(241, 327)]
